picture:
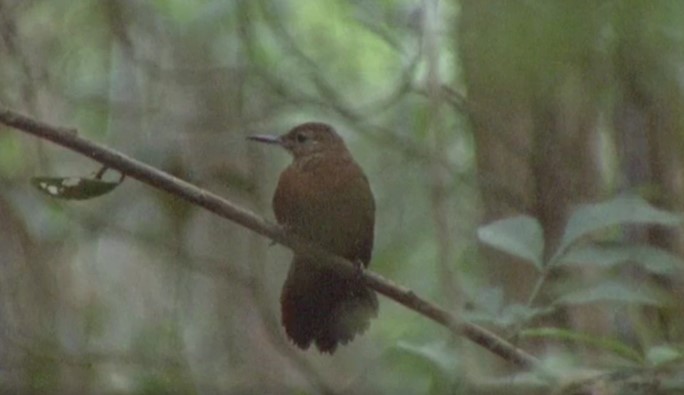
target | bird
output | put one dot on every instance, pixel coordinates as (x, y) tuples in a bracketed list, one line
[(325, 197)]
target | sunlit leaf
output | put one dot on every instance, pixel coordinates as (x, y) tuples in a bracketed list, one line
[(521, 236), (517, 314), (608, 292), (73, 188), (509, 316), (621, 210), (609, 344), (663, 355), (654, 259), (489, 300)]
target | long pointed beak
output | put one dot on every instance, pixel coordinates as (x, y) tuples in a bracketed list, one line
[(265, 138)]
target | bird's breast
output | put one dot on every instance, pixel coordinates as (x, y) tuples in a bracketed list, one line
[(330, 203)]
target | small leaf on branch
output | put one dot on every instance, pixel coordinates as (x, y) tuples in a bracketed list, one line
[(74, 188)]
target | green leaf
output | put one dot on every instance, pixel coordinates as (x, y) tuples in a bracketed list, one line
[(655, 260), (488, 308), (518, 314), (621, 210), (521, 236), (441, 363), (73, 188), (609, 344), (489, 300), (663, 355), (607, 292), (507, 317), (436, 355)]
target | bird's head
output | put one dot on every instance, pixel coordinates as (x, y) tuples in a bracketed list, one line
[(307, 139)]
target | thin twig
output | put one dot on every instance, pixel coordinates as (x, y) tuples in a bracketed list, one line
[(158, 179)]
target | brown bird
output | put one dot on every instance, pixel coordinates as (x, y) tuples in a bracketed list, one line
[(324, 196)]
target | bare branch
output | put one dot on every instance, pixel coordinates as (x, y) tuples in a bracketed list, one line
[(149, 175)]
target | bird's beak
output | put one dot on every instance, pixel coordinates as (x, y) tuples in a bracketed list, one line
[(266, 138)]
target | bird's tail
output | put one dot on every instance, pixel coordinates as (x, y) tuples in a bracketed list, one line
[(321, 306)]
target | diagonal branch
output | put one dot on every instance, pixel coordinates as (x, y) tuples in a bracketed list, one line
[(158, 179)]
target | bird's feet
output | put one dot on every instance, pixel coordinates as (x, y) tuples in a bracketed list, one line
[(358, 270), (285, 229)]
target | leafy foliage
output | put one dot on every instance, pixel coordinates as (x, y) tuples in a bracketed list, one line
[(521, 236)]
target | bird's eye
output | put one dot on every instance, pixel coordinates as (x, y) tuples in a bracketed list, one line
[(301, 137)]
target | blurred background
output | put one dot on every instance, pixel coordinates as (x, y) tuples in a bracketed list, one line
[(460, 112)]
